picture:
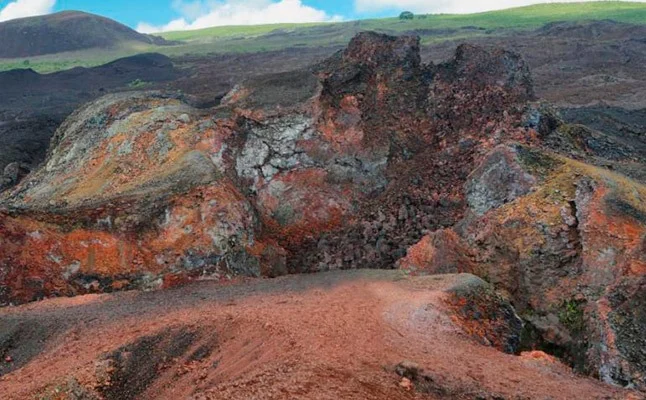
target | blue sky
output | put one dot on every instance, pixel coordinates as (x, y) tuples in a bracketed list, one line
[(159, 12), (163, 15), (129, 12)]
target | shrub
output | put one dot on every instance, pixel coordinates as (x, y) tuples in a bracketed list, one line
[(406, 15), (137, 84)]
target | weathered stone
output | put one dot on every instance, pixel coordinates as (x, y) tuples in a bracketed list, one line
[(12, 174), (441, 252), (485, 314), (571, 256), (499, 180)]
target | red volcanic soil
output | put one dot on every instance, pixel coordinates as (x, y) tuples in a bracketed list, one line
[(334, 335)]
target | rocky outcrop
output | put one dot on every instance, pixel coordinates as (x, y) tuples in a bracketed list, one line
[(441, 252), (484, 314), (569, 253), (347, 165), (132, 195), (497, 181), (340, 166)]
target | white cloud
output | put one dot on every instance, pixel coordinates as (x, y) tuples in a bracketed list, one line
[(191, 9), (25, 8), (207, 13), (443, 6)]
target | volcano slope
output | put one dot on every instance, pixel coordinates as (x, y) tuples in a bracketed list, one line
[(66, 31), (333, 335), (343, 166)]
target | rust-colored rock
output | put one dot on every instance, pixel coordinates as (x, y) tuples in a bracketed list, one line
[(347, 165), (441, 252), (359, 157), (485, 314), (569, 253)]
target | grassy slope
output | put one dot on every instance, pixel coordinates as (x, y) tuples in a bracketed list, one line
[(230, 31), (533, 16), (515, 18), (234, 39)]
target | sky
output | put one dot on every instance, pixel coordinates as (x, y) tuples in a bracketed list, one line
[(149, 16)]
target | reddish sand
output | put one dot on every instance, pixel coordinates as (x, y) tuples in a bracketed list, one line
[(326, 336)]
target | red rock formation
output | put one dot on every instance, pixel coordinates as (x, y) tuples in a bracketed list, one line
[(344, 166), (141, 190), (441, 252), (568, 251)]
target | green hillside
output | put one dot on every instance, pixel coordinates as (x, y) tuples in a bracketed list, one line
[(221, 32), (514, 18), (236, 39)]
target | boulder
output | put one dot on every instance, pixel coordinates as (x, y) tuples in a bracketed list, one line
[(441, 252), (501, 178), (12, 174)]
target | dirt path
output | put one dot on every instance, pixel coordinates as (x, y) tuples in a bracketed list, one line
[(326, 336)]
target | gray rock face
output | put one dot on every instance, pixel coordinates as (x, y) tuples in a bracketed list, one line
[(628, 319), (12, 174), (272, 147), (499, 180)]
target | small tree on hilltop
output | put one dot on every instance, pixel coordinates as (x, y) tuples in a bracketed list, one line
[(406, 15)]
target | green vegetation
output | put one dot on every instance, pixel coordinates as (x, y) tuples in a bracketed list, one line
[(514, 18), (84, 58), (406, 15), (432, 28), (138, 84), (45, 66), (571, 315), (223, 32)]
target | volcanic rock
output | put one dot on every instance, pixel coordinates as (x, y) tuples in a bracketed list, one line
[(143, 190), (441, 252), (570, 254), (346, 165), (499, 180), (484, 314)]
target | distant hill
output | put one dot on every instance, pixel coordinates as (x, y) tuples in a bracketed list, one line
[(100, 37), (518, 18), (66, 31)]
